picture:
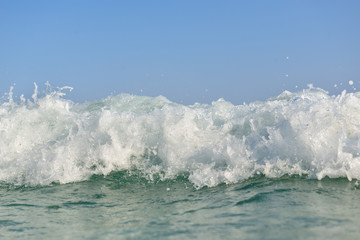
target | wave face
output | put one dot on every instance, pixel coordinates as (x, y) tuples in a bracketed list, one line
[(51, 139)]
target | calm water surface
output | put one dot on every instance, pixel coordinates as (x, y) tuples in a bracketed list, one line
[(123, 206)]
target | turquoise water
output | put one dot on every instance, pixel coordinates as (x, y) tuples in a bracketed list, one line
[(135, 167), (121, 206)]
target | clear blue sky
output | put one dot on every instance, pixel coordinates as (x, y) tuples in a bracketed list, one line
[(186, 50)]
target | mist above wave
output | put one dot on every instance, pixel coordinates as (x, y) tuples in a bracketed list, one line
[(51, 139)]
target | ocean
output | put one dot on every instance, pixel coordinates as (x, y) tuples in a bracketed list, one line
[(136, 167)]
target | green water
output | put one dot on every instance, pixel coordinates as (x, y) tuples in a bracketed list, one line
[(121, 206)]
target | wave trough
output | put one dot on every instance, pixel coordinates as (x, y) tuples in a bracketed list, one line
[(51, 139)]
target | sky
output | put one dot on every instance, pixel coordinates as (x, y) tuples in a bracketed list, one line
[(186, 50)]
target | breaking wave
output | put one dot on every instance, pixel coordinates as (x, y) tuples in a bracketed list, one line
[(49, 139)]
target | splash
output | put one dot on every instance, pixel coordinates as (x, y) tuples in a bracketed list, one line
[(52, 139)]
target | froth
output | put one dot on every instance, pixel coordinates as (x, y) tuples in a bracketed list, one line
[(51, 139)]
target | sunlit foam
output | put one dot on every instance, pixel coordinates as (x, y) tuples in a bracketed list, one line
[(49, 139)]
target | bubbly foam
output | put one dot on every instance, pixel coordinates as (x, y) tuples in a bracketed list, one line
[(52, 139)]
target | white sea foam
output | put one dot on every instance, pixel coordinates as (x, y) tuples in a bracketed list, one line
[(51, 139)]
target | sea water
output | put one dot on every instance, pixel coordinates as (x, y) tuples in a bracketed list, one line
[(135, 167)]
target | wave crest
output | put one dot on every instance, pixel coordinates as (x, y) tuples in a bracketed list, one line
[(51, 139)]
